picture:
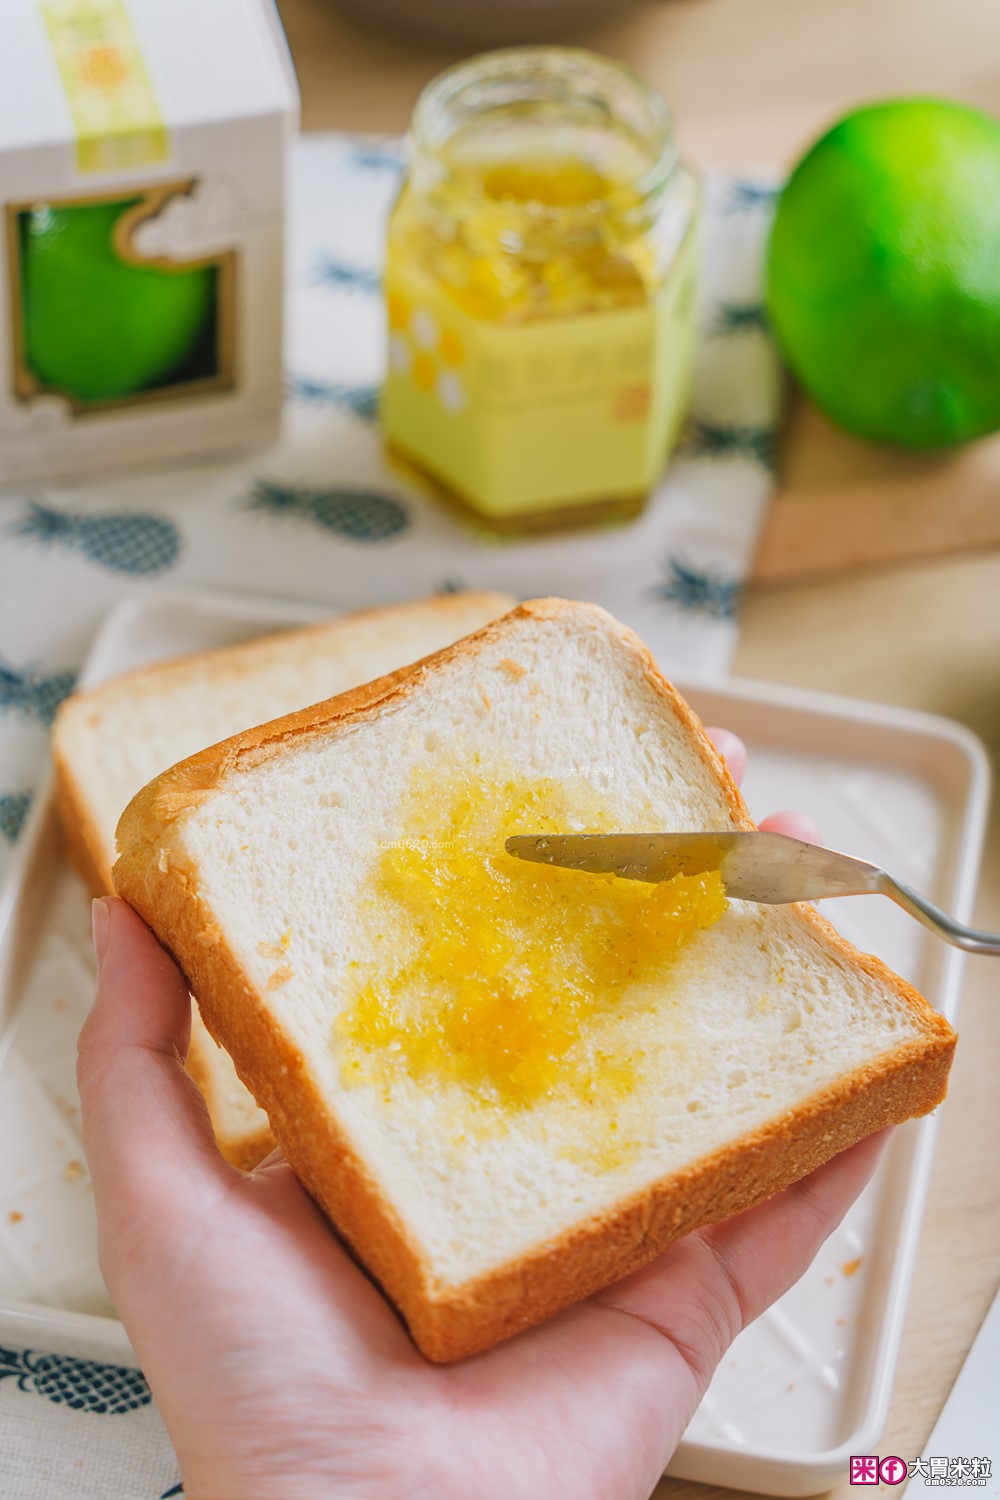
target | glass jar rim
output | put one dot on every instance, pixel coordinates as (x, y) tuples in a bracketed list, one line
[(439, 112)]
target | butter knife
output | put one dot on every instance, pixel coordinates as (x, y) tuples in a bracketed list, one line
[(765, 867)]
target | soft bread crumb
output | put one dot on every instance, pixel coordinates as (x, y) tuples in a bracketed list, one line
[(278, 949), (280, 976), (513, 667), (484, 695)]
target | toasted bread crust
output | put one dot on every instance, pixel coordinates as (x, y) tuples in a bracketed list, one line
[(450, 1322), (83, 843), (85, 852), (245, 1150), (244, 653), (185, 785)]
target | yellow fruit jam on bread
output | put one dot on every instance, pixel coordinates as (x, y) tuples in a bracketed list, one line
[(514, 981)]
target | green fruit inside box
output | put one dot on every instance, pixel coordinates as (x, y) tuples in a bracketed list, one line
[(143, 163), (98, 326)]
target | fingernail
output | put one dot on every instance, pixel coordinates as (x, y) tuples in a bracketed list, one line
[(101, 920)]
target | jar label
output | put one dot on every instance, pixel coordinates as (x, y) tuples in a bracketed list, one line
[(115, 112), (548, 414)]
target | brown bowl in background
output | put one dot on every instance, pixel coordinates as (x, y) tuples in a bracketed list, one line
[(484, 23)]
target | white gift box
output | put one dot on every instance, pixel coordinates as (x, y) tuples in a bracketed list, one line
[(143, 150)]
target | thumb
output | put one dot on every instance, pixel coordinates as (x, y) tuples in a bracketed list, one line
[(145, 1125)]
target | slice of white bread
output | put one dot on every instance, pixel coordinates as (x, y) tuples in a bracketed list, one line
[(109, 742), (761, 1048)]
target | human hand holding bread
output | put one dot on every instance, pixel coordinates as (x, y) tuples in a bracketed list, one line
[(506, 1095), (280, 1369)]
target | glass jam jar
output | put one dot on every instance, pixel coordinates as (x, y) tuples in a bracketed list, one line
[(540, 286)]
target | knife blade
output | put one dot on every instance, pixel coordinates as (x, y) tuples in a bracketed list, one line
[(766, 867)]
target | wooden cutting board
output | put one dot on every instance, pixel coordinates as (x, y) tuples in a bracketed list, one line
[(843, 504)]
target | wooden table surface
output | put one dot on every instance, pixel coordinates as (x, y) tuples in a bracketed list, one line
[(751, 82)]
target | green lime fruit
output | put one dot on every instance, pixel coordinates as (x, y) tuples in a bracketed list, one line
[(883, 277), (97, 326)]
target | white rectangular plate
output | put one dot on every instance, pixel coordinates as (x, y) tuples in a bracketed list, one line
[(809, 1383)]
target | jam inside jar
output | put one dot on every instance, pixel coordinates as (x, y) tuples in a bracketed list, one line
[(540, 287)]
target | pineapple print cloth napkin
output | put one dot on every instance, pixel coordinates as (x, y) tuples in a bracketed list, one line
[(321, 517)]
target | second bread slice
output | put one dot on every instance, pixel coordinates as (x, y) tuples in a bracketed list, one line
[(110, 741)]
